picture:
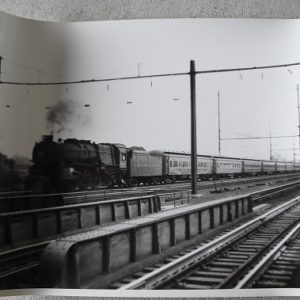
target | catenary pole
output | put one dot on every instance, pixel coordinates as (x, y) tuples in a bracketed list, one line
[(193, 128), (219, 124), (298, 113), (271, 154), (294, 153), (1, 136), (0, 66)]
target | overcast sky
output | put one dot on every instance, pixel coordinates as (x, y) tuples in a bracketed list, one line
[(250, 101)]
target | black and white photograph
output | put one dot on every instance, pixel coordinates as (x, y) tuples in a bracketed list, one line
[(155, 154)]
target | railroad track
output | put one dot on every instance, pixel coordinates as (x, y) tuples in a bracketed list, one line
[(280, 268), (16, 262), (169, 188), (18, 201), (225, 260), (109, 193)]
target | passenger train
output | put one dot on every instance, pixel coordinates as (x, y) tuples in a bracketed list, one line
[(72, 164)]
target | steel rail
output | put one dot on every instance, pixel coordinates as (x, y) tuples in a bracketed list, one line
[(256, 271), (278, 189), (20, 259), (165, 272), (103, 192), (154, 193), (79, 197), (18, 269), (264, 194)]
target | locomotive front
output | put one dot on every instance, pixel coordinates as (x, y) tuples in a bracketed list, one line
[(45, 158), (72, 163), (63, 165)]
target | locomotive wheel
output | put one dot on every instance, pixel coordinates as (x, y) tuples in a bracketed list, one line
[(82, 184), (172, 179), (131, 182), (67, 185), (95, 182), (39, 184), (155, 180), (122, 182), (110, 183), (166, 180)]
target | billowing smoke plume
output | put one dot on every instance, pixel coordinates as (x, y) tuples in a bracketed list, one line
[(65, 114)]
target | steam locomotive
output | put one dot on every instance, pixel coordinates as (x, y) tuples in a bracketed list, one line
[(69, 164), (9, 176)]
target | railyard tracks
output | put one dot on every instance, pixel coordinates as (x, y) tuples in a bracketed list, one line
[(19, 260), (117, 193), (279, 270), (171, 196), (222, 262)]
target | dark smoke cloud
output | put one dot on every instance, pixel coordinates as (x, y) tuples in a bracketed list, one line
[(61, 116)]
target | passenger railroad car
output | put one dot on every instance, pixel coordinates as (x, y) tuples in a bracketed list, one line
[(227, 166)]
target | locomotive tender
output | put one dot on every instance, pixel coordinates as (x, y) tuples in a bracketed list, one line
[(72, 163)]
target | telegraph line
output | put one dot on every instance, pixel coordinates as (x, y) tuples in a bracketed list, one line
[(39, 70), (95, 80), (259, 137)]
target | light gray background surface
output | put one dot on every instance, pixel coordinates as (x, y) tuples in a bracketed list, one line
[(84, 10), (76, 10)]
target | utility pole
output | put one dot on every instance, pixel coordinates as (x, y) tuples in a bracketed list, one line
[(139, 66), (1, 136), (0, 66), (193, 128), (294, 154), (271, 155), (298, 113), (219, 124)]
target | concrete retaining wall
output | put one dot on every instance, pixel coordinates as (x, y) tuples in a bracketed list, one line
[(95, 255), (22, 227)]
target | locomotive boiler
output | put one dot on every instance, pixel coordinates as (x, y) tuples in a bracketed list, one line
[(72, 163)]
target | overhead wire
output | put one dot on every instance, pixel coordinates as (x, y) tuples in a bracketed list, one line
[(32, 69), (93, 80), (260, 137), (40, 70)]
